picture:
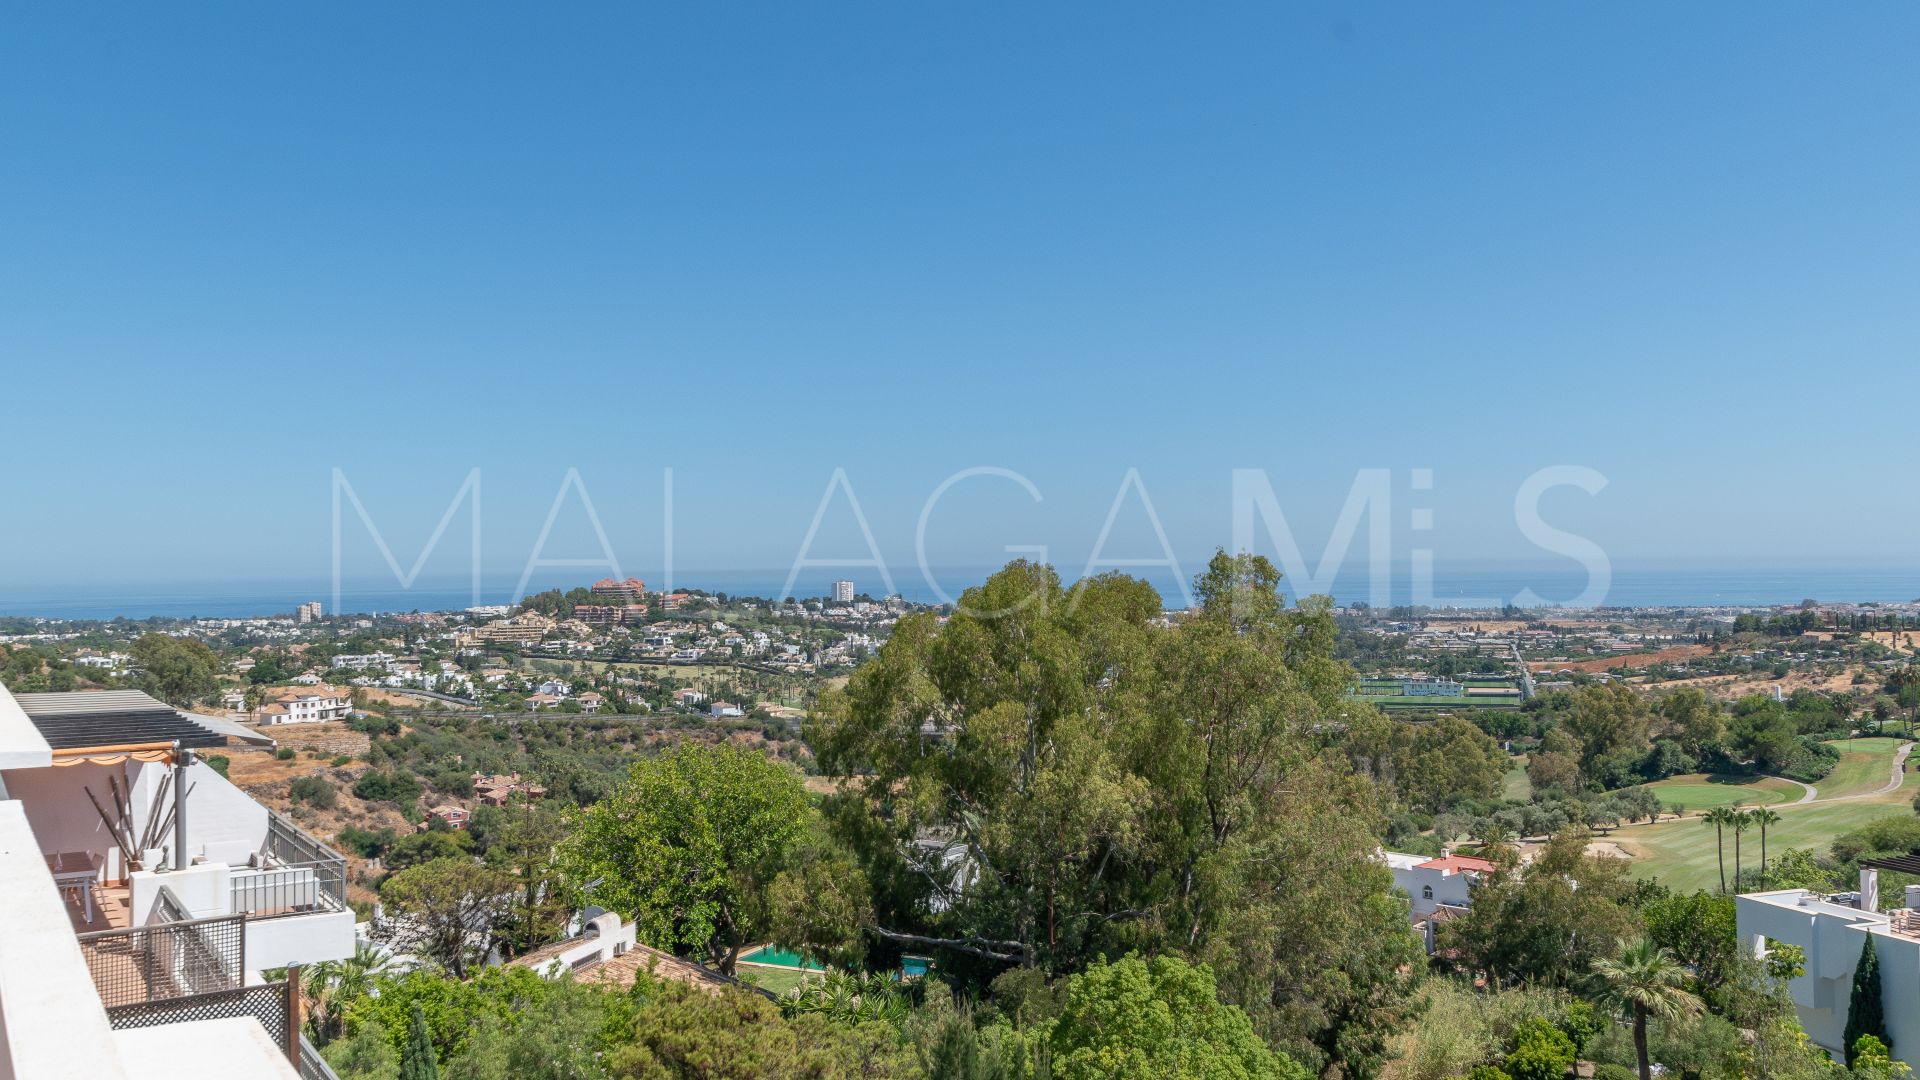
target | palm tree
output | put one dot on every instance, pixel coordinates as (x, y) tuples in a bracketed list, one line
[(1718, 818), (1739, 821), (1644, 981), (333, 986), (1763, 817)]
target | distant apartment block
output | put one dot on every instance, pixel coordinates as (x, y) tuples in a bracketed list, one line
[(628, 591), (308, 612), (528, 626), (843, 592), (610, 614)]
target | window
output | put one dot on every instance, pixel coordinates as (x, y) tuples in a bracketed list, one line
[(1426, 892)]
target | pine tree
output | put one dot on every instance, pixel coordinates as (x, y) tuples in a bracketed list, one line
[(1863, 1006), (418, 1061)]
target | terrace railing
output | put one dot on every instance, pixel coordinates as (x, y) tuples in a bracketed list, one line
[(172, 957), (302, 875), (176, 970)]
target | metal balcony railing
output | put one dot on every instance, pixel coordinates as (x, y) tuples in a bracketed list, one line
[(172, 957), (300, 875)]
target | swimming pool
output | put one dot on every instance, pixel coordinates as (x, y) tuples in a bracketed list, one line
[(772, 957), (911, 967)]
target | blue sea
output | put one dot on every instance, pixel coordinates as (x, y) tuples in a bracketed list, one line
[(1461, 585)]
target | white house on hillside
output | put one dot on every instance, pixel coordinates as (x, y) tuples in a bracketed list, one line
[(1832, 929)]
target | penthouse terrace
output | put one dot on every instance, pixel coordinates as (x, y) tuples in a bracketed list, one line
[(171, 891)]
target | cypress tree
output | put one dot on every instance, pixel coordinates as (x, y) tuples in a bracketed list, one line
[(417, 1060), (1863, 1006)]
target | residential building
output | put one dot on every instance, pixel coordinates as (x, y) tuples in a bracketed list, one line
[(598, 614), (591, 701), (453, 817), (499, 790), (1437, 889), (185, 864), (724, 708), (308, 612), (1832, 929), (843, 592), (315, 704), (605, 951), (363, 661), (528, 626), (628, 591)]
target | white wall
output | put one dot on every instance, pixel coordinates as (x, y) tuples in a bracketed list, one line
[(223, 822), (52, 1026), (1832, 936), (1447, 888), (299, 939)]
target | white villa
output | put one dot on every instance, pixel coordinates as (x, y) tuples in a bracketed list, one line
[(1438, 889), (305, 705), (144, 891), (1832, 929)]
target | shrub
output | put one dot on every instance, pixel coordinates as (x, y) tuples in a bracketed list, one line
[(285, 753), (1581, 1024), (366, 843), (218, 763), (1610, 1071), (1489, 1072), (387, 787), (313, 790), (1898, 834), (1541, 1051)]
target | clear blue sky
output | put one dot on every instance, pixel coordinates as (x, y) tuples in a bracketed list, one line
[(243, 245)]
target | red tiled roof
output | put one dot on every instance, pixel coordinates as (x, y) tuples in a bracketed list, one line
[(1458, 863)]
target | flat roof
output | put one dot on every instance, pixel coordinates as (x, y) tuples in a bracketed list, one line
[(21, 744), (84, 718)]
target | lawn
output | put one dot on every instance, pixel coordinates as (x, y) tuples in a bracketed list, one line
[(774, 979), (1681, 854), (1700, 791), (1864, 766), (1515, 784)]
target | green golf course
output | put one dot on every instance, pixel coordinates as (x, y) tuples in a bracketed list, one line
[(1682, 854)]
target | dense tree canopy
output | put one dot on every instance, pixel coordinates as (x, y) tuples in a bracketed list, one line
[(1053, 774), (688, 846)]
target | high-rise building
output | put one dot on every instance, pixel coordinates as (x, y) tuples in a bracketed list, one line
[(843, 592), (308, 612)]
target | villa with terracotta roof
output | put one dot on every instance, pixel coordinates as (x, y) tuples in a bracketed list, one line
[(304, 705), (607, 952), (1437, 889)]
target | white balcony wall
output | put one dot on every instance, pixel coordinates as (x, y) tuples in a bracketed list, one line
[(298, 939), (223, 823)]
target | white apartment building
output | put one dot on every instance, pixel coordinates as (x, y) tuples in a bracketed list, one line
[(363, 661), (141, 889), (843, 592), (305, 705), (1832, 929)]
